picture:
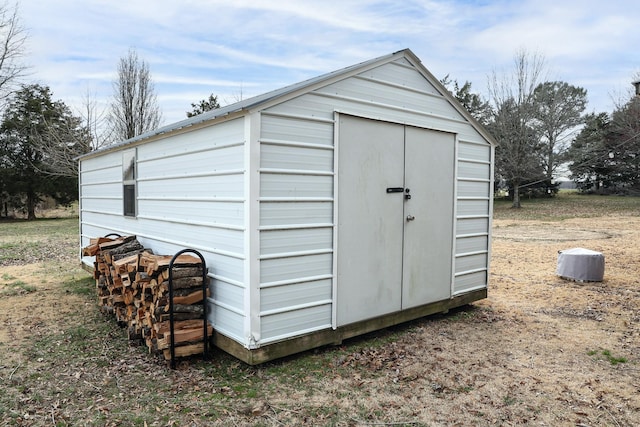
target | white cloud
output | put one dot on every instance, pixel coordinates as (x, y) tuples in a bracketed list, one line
[(195, 47)]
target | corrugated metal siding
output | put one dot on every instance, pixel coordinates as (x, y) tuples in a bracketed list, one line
[(190, 194), (192, 185), (100, 195), (296, 208), (394, 92), (296, 225), (473, 216)]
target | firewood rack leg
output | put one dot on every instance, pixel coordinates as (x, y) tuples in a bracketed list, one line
[(205, 339)]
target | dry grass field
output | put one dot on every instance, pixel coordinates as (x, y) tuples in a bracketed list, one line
[(540, 351)]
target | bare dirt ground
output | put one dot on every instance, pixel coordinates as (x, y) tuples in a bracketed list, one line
[(540, 351)]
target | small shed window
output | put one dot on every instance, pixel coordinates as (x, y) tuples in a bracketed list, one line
[(129, 182)]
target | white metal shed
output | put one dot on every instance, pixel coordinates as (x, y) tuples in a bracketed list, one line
[(330, 208)]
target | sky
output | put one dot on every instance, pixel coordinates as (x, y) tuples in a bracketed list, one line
[(240, 48)]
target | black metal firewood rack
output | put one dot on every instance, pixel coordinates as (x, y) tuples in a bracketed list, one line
[(205, 337)]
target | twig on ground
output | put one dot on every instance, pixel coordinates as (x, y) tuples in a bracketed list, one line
[(88, 383), (392, 423), (611, 415), (282, 409), (14, 371)]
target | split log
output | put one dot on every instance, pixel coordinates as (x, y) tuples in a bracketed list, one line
[(185, 350), (180, 308), (94, 246), (132, 283), (183, 336), (123, 249), (182, 272)]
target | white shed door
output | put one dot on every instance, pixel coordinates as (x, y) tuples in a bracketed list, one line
[(394, 251)]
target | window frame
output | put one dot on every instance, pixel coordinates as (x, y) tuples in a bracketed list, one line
[(129, 183)]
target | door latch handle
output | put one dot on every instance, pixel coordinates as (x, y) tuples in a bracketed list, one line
[(395, 189), (410, 217)]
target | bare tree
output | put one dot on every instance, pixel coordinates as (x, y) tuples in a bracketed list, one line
[(60, 141), (12, 46), (95, 121), (134, 109), (512, 99)]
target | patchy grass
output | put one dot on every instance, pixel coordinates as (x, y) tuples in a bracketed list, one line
[(41, 240), (15, 288), (521, 357), (606, 354), (568, 205), (84, 286)]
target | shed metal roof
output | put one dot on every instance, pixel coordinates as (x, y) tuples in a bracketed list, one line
[(259, 100)]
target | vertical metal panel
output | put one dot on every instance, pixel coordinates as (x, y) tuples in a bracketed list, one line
[(298, 214), (102, 175), (401, 73), (474, 151), (105, 204), (227, 294), (211, 138), (471, 244), (203, 160), (276, 270), (192, 187), (468, 188), (290, 241), (476, 170), (296, 129), (470, 281), (211, 212), (282, 325), (401, 97), (294, 294), (102, 190), (228, 322), (473, 207), (291, 157), (295, 185), (198, 235), (471, 262), (467, 226)]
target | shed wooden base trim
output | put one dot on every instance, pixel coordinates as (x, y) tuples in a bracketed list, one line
[(335, 337)]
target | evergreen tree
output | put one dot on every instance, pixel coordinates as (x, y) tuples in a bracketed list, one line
[(478, 107), (205, 105), (30, 119), (590, 168), (558, 111), (605, 155)]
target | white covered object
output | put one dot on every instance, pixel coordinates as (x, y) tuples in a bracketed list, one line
[(581, 264)]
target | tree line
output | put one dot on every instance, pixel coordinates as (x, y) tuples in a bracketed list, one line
[(539, 124), (41, 138)]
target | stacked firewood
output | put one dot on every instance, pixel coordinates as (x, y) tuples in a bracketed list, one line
[(133, 283)]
